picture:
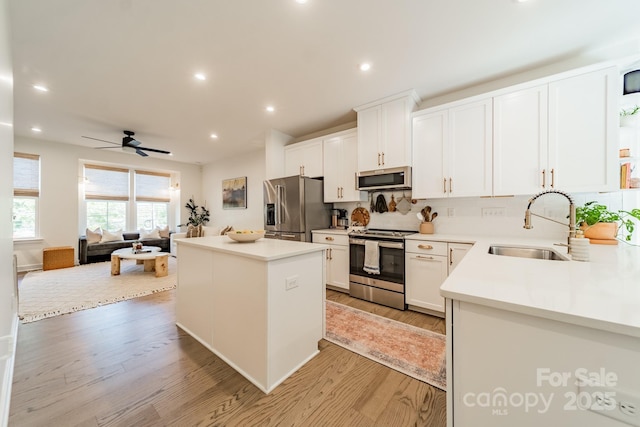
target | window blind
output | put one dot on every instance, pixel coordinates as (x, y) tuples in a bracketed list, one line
[(152, 186), (106, 183), (26, 175)]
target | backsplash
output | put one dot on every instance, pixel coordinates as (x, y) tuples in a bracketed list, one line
[(500, 216)]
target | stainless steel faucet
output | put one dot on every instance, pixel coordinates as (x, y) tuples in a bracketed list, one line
[(572, 214)]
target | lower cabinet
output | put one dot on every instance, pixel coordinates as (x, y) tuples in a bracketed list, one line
[(337, 259), (427, 265)]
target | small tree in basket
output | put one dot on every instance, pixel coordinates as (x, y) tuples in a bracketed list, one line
[(198, 216)]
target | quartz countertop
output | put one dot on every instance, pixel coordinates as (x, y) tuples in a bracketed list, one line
[(603, 293), (341, 231), (262, 249)]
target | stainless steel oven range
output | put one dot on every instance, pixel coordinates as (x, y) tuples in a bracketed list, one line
[(387, 287)]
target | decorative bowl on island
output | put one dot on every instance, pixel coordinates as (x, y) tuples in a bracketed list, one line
[(244, 236)]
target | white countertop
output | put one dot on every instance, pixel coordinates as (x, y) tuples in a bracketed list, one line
[(263, 249), (341, 231), (603, 293)]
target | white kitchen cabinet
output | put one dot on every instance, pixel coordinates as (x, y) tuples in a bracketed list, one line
[(560, 135), (340, 153), (384, 132), (583, 132), (520, 141), (304, 158), (427, 265), (337, 259), (452, 149)]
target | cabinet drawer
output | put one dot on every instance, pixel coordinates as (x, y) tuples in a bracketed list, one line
[(331, 239), (426, 247)]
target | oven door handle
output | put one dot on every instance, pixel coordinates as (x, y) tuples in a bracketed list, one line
[(392, 245)]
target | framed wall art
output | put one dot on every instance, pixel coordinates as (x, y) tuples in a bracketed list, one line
[(234, 193)]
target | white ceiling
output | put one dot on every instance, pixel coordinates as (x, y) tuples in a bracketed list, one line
[(129, 64)]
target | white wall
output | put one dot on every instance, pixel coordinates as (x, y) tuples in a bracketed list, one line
[(8, 305), (251, 165), (60, 224)]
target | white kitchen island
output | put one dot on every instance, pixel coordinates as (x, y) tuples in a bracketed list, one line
[(259, 306)]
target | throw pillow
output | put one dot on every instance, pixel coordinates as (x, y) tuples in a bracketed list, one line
[(164, 232), (93, 236), (149, 234), (108, 236)]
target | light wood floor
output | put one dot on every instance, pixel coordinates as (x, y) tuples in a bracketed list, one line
[(127, 364)]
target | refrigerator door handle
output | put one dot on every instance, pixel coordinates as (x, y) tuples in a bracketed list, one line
[(279, 204)]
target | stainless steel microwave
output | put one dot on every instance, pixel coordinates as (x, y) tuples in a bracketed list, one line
[(380, 179)]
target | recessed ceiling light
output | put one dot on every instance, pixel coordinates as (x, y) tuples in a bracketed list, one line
[(301, 1), (214, 136), (270, 108), (35, 129), (41, 88), (365, 66), (200, 76)]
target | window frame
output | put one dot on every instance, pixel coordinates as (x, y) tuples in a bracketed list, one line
[(28, 193)]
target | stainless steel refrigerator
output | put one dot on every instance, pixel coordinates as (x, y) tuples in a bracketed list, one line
[(294, 206)]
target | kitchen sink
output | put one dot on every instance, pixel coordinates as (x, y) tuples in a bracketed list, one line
[(527, 252)]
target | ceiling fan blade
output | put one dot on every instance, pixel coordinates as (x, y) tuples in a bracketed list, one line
[(142, 153), (155, 150), (101, 148), (102, 140)]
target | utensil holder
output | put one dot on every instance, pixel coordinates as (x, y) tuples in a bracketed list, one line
[(426, 228)]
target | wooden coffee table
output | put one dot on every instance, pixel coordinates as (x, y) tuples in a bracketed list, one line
[(153, 261)]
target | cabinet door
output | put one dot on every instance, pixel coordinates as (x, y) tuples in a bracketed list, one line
[(369, 134), (348, 170), (583, 132), (332, 153), (457, 251), (470, 150), (395, 144), (338, 267), (430, 133), (520, 142), (425, 274), (304, 158)]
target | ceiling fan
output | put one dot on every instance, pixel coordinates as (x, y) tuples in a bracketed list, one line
[(129, 143)]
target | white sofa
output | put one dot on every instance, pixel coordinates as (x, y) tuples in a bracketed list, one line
[(208, 231)]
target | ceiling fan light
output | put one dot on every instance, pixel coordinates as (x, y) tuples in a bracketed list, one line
[(631, 82)]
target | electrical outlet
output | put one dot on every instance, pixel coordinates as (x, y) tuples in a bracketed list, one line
[(451, 212), (621, 405), (492, 212), (291, 282)]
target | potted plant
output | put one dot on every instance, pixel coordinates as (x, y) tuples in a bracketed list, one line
[(198, 216), (629, 116), (602, 225)]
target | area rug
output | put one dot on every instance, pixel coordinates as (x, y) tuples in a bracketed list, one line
[(51, 293), (413, 351)]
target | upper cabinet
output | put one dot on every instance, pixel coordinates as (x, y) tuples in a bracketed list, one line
[(384, 132), (304, 158), (556, 133), (341, 165), (452, 151)]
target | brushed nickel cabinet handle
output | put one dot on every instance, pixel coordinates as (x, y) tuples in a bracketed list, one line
[(544, 178), (378, 159), (450, 185), (444, 185), (338, 192), (424, 257), (450, 256), (553, 178), (383, 158), (330, 253), (425, 247)]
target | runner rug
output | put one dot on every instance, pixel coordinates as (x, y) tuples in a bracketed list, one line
[(51, 293), (413, 351)]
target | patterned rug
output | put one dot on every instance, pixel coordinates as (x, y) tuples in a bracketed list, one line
[(413, 351), (51, 293)]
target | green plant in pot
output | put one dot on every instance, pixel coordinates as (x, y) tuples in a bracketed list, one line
[(198, 216), (599, 223)]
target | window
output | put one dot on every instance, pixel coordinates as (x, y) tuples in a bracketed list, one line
[(106, 193), (152, 199), (26, 193)]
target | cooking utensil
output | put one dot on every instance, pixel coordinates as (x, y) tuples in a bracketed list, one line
[(392, 204), (372, 207), (361, 216), (426, 213), (435, 214), (420, 216)]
